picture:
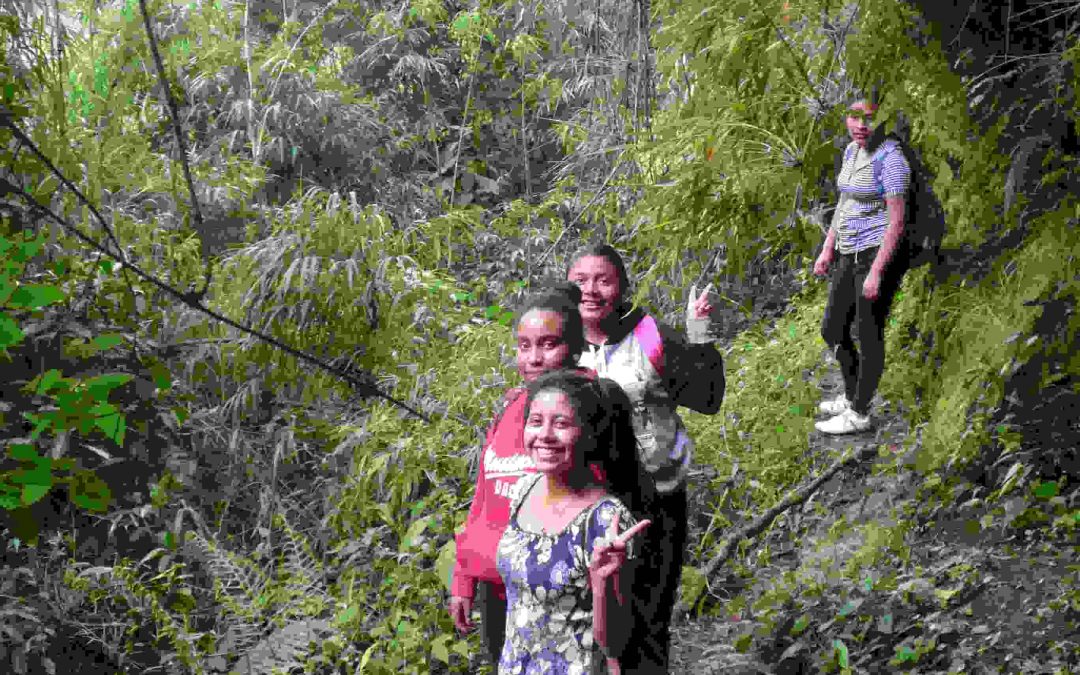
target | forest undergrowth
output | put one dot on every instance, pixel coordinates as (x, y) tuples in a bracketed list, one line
[(260, 260)]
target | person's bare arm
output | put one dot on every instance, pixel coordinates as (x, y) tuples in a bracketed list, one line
[(893, 234)]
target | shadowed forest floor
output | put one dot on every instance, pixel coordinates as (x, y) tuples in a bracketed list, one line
[(979, 590)]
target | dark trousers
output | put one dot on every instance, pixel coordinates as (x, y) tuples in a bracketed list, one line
[(492, 610), (862, 368), (656, 585)]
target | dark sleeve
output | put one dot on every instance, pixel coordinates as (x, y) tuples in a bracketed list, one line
[(621, 617), (693, 374)]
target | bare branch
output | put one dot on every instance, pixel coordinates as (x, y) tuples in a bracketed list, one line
[(181, 145), (189, 299), (762, 522)]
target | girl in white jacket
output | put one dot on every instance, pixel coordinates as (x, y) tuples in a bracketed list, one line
[(659, 369)]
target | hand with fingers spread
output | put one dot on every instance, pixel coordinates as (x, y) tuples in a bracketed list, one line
[(698, 311)]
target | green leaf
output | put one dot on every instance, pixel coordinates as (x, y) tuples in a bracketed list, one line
[(440, 651), (10, 333), (465, 20), (181, 415), (162, 376), (35, 296), (110, 421), (88, 491), (841, 652), (107, 341), (33, 493), (491, 311), (800, 625), (347, 615), (100, 386), (23, 452), (106, 265), (444, 564), (10, 496), (27, 250), (416, 528), (506, 318), (905, 653), (39, 474), (47, 381), (1046, 489), (743, 642), (169, 539)]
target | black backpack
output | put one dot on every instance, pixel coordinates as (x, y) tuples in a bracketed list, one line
[(924, 217)]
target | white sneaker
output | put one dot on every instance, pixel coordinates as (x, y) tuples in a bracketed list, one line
[(835, 406), (847, 422)]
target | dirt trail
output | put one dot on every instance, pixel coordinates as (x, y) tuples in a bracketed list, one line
[(968, 590)]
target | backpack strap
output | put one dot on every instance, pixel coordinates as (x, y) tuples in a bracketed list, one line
[(647, 334), (878, 160)]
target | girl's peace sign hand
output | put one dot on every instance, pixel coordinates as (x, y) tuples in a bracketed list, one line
[(609, 556), (698, 306)]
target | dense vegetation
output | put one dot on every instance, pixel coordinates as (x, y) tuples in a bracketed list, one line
[(240, 420)]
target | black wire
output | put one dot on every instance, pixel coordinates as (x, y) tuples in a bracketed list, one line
[(190, 299)]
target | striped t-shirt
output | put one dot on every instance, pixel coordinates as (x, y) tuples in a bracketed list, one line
[(862, 216)]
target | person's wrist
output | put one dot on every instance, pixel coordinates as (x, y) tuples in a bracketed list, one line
[(697, 330)]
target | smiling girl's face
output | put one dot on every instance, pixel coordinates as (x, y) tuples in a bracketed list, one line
[(540, 344), (551, 433), (599, 283)]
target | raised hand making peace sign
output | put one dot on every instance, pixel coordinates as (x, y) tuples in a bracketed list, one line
[(698, 309), (610, 555), (607, 558), (698, 306)]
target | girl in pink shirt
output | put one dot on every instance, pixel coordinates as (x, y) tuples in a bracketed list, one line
[(549, 335)]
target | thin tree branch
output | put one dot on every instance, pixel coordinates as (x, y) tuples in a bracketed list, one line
[(591, 201), (181, 145), (193, 300), (762, 522), (461, 137)]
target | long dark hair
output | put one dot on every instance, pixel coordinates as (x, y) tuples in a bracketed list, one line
[(563, 299), (607, 252), (607, 440)]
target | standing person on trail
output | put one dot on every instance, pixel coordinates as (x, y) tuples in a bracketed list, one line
[(658, 369), (564, 551), (865, 242), (549, 335)]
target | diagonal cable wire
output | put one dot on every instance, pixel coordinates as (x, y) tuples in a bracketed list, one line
[(191, 299)]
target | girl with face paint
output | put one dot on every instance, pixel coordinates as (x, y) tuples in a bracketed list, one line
[(864, 241), (563, 555), (659, 370), (548, 335)]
